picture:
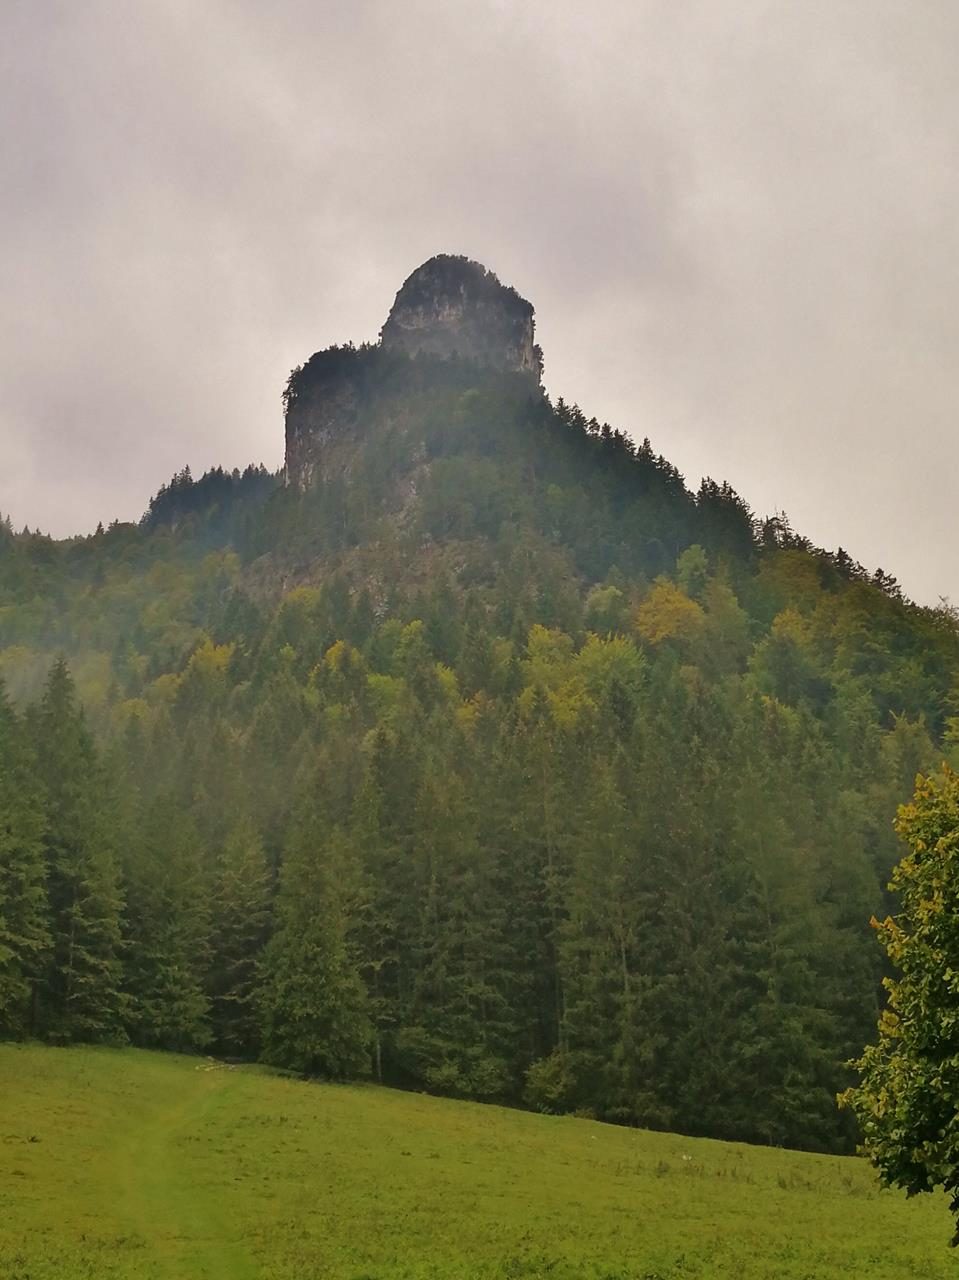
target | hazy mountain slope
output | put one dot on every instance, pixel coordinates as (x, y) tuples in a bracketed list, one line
[(480, 754)]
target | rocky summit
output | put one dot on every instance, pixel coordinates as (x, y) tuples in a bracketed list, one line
[(450, 309), (451, 306)]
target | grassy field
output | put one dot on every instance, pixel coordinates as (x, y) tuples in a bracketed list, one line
[(117, 1163)]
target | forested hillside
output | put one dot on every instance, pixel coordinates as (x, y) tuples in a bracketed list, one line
[(497, 764)]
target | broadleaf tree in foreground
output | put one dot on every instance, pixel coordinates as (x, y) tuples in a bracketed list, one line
[(907, 1102)]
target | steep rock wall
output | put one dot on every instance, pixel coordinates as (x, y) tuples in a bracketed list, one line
[(452, 306), (448, 307), (321, 407)]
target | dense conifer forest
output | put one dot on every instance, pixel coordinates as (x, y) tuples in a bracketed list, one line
[(499, 765)]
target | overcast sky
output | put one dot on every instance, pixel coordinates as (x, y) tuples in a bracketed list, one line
[(737, 220)]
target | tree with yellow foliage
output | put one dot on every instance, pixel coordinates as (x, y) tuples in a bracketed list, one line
[(907, 1101), (668, 613)]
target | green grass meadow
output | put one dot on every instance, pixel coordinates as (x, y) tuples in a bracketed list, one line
[(120, 1163)]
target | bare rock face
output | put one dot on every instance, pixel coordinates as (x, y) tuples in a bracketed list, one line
[(321, 402), (448, 307), (452, 306)]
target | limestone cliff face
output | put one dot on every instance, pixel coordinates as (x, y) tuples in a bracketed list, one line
[(321, 407), (452, 306), (448, 307)]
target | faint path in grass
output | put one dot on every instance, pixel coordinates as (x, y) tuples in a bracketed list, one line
[(182, 1223)]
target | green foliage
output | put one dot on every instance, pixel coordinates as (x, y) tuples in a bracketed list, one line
[(80, 995), (241, 912), (168, 919), (692, 571), (24, 928), (498, 763), (907, 1100), (313, 1005), (208, 503)]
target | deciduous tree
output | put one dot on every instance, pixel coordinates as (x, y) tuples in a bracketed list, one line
[(907, 1101)]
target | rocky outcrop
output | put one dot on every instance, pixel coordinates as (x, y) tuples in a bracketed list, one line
[(449, 307), (321, 404)]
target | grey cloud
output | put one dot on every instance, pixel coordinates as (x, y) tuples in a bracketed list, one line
[(736, 221)]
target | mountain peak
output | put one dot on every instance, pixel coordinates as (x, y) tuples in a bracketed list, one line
[(452, 305), (451, 309)]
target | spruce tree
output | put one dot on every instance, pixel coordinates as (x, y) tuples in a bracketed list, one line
[(81, 996), (312, 1001), (168, 924), (241, 911), (24, 924), (452, 1034)]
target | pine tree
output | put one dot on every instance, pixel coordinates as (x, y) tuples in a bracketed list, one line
[(81, 997), (24, 924), (168, 932), (241, 910), (313, 1005), (382, 827), (452, 1036)]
